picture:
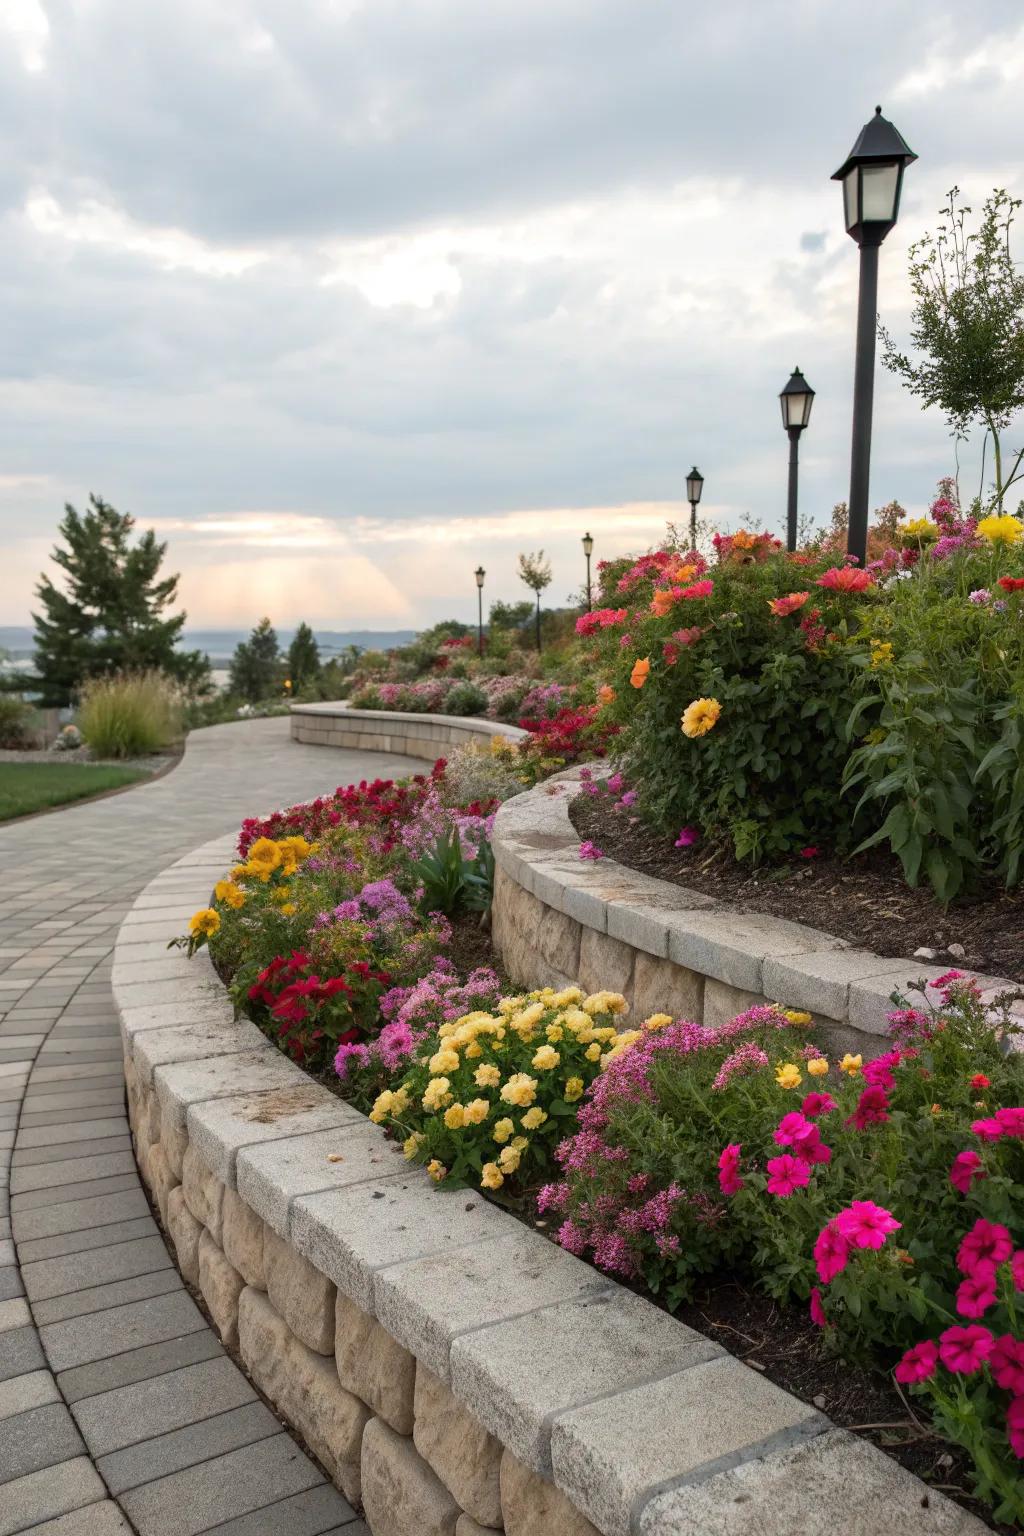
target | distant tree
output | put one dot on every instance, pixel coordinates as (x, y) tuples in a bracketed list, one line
[(108, 614), (255, 668), (536, 572), (510, 615), (968, 326), (303, 659)]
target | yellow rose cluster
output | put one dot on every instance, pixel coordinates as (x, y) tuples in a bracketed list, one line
[(487, 1088)]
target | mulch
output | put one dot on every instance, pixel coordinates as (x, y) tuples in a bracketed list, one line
[(863, 900)]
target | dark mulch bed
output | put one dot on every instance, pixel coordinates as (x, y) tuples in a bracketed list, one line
[(864, 900)]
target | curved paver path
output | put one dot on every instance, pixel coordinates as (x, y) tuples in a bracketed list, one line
[(119, 1409)]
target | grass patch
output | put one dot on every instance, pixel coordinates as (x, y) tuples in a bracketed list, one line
[(26, 787)]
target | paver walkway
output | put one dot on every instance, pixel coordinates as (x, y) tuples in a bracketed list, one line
[(119, 1409)]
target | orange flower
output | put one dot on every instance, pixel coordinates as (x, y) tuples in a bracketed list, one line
[(780, 606), (663, 601), (744, 540), (846, 578), (605, 695), (640, 671), (682, 573)]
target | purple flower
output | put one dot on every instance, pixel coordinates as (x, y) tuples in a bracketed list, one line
[(979, 595), (588, 851), (629, 798), (687, 837)]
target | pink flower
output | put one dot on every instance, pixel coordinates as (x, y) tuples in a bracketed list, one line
[(817, 1311), (831, 1252), (988, 1130), (816, 1104), (1011, 1120), (1007, 1364), (986, 1244), (843, 578), (1015, 1426), (786, 1174), (918, 1363), (791, 1128), (589, 851), (698, 589), (729, 1181), (1017, 1270), (866, 1225), (965, 1350), (966, 1168), (615, 783), (872, 1109), (687, 837), (977, 1292), (810, 852)]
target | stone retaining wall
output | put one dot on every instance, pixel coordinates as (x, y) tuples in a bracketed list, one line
[(454, 1372), (392, 730), (667, 949)]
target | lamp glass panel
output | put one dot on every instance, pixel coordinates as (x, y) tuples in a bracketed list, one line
[(850, 197), (879, 193), (800, 410), (694, 486)]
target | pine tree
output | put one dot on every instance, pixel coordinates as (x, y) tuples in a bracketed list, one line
[(256, 665), (303, 659), (108, 616)]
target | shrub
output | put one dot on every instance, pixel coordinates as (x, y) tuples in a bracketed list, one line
[(127, 715), (489, 1095), (16, 716), (484, 773), (465, 698)]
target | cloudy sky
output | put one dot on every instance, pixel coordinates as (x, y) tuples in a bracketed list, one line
[(347, 296)]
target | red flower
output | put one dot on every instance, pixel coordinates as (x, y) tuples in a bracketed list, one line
[(1012, 583), (1017, 1270), (966, 1168), (987, 1130), (965, 1350), (810, 853), (986, 1244), (781, 606), (872, 1109), (918, 1363), (1011, 1120), (698, 589), (980, 1081), (845, 578)]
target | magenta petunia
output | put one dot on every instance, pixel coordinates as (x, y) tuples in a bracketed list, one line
[(1017, 1269), (1006, 1363), (986, 1244), (816, 1104), (1011, 1120), (965, 1350), (729, 1181), (786, 1174), (817, 1311), (977, 1292), (1015, 1427), (687, 837), (966, 1168), (866, 1225), (988, 1130), (918, 1363), (792, 1127), (872, 1109), (831, 1252)]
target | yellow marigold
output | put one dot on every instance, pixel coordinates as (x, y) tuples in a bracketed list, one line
[(411, 1144), (545, 1058), (593, 1052), (437, 1170), (437, 1094), (204, 923), (554, 1033), (566, 997), (881, 653), (605, 1002), (787, 1075), (1001, 530), (491, 1176), (454, 1117), (238, 871), (700, 717), (797, 1016), (572, 1091), (289, 909), (476, 1111), (851, 1065), (534, 1118), (221, 889), (641, 671), (657, 1021), (520, 1089), (487, 1076), (507, 1005), (818, 1066), (230, 894), (382, 1106), (503, 1130), (264, 852), (529, 1017), (509, 1160), (473, 1050), (401, 1101), (444, 1061)]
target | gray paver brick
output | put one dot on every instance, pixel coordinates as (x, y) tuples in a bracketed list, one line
[(39, 1437), (143, 1410), (66, 1175), (20, 1351), (204, 1496), (185, 1447), (316, 1512), (82, 1339), (108, 1236), (100, 1298), (101, 1519), (42, 1495), (99, 1266), (82, 1213), (32, 1390), (147, 1363), (34, 1199)]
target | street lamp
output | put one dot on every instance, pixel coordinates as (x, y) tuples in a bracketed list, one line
[(796, 401), (588, 550), (480, 573), (872, 178), (694, 486)]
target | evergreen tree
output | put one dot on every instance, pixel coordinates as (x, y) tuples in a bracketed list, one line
[(108, 616), (303, 659), (256, 665)]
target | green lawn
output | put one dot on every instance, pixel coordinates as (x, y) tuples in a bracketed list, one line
[(26, 787)]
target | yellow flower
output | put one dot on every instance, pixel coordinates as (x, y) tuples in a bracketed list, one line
[(818, 1066), (264, 854), (881, 653), (621, 1043), (573, 1090), (797, 1016), (919, 528), (787, 1075), (534, 1118), (851, 1065), (555, 1033), (444, 1061), (566, 997), (382, 1106), (487, 1076), (657, 1021), (529, 1017), (491, 1176), (289, 909), (410, 1145), (605, 1002), (593, 1052), (503, 1130), (437, 1170), (437, 1094), (545, 1058), (700, 717), (473, 1050), (520, 1090), (510, 1159), (454, 1117), (204, 923), (238, 872), (476, 1111), (1001, 530)]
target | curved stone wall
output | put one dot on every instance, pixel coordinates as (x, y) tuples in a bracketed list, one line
[(454, 1372), (391, 730)]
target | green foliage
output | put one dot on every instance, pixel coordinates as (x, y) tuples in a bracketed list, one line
[(108, 615), (453, 883), (507, 616), (303, 660), (535, 571), (130, 715), (16, 718), (968, 324), (255, 670), (465, 699)]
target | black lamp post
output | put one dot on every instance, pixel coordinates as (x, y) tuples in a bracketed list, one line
[(796, 401), (872, 178), (588, 550), (480, 573), (694, 486)]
